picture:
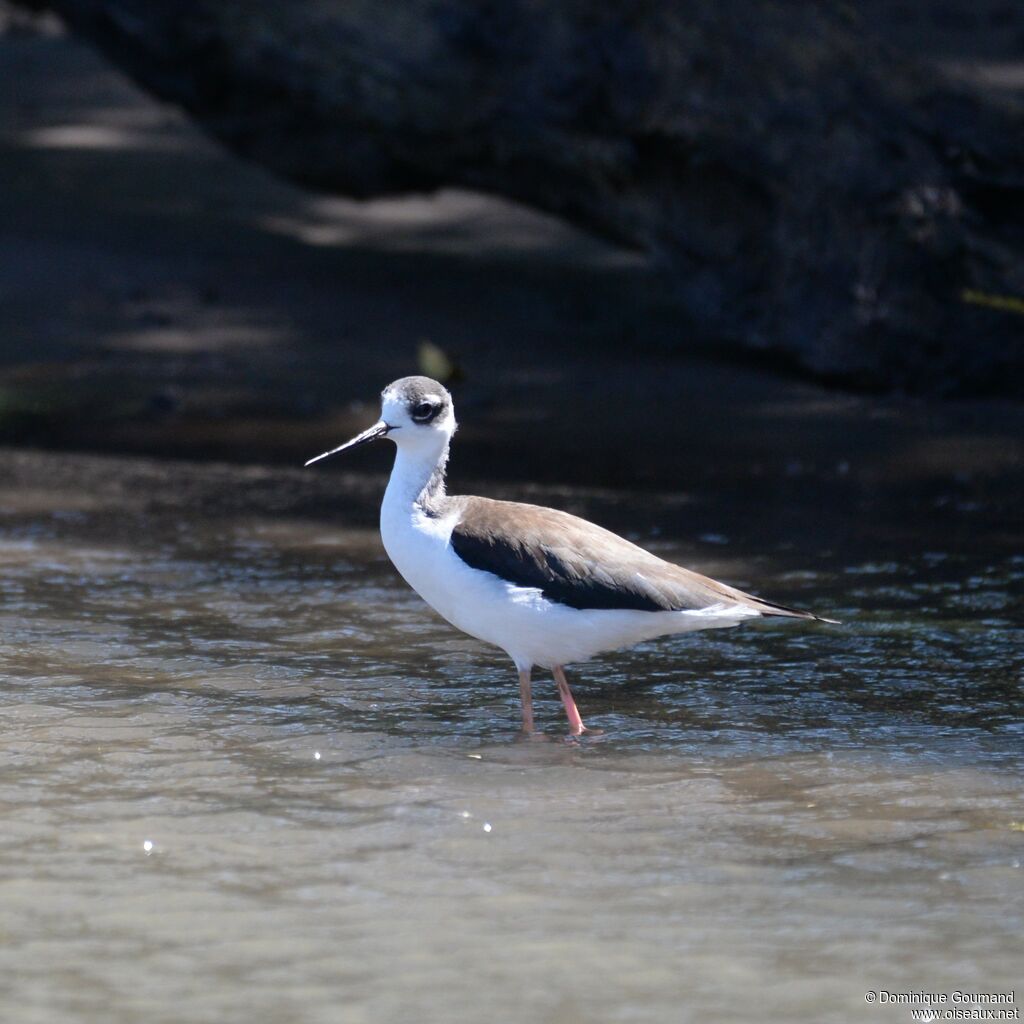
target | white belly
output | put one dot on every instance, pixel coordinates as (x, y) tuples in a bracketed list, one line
[(520, 620)]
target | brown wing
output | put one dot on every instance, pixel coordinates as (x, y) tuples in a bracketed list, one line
[(582, 565)]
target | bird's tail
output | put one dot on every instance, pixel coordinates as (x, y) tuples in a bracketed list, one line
[(781, 610)]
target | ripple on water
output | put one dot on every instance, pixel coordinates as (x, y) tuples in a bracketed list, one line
[(768, 806)]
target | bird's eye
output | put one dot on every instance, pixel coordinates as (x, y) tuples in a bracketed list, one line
[(423, 411)]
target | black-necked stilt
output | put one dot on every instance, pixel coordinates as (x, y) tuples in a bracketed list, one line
[(546, 587)]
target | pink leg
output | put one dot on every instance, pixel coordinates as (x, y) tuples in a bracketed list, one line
[(527, 699), (576, 726)]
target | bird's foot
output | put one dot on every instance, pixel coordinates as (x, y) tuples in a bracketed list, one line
[(584, 730)]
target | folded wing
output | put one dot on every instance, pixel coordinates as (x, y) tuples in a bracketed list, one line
[(582, 565)]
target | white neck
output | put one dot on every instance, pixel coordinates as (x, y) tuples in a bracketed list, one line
[(417, 475)]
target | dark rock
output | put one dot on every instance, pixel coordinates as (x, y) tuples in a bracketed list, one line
[(811, 193)]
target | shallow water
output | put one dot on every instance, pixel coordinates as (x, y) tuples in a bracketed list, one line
[(247, 776)]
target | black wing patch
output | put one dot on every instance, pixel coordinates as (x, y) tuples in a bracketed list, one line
[(577, 583)]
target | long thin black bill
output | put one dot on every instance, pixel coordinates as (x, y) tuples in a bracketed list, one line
[(379, 429)]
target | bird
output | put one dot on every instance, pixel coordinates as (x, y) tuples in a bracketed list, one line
[(548, 588)]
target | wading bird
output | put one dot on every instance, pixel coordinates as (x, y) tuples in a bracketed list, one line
[(546, 587)]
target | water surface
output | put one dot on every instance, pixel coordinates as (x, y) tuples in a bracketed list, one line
[(247, 776)]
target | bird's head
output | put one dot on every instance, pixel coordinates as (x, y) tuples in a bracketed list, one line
[(416, 413)]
